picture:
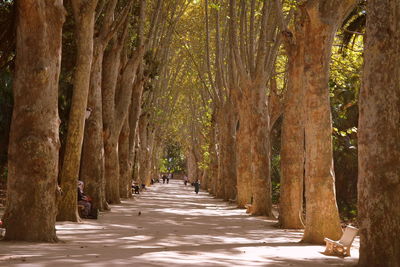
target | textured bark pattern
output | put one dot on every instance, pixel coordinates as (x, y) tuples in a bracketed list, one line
[(116, 102), (192, 166), (123, 156), (212, 174), (111, 63), (92, 164), (260, 158), (322, 216), (134, 114), (142, 148), (243, 151), (34, 144), (227, 156), (84, 22), (292, 148), (378, 138)]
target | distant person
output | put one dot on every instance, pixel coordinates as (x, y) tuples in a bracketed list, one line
[(185, 180), (197, 186), (169, 177), (88, 212), (136, 189), (164, 177)]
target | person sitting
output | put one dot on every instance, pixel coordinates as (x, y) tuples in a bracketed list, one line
[(87, 212)]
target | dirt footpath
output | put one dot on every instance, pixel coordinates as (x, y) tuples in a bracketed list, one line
[(175, 227)]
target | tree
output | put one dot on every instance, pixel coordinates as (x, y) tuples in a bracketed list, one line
[(84, 15), (378, 136), (292, 146), (92, 164), (249, 74), (321, 21), (34, 143)]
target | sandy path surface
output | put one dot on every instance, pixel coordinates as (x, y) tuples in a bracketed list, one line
[(176, 228)]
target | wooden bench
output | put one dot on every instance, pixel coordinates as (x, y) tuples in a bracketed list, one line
[(342, 246)]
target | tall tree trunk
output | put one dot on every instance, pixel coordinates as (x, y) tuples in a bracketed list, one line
[(133, 123), (220, 130), (227, 151), (142, 148), (192, 166), (111, 63), (292, 147), (243, 151), (116, 104), (34, 143), (322, 216), (378, 138), (84, 27), (260, 157), (92, 165), (123, 155)]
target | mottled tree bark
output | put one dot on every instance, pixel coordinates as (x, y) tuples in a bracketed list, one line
[(251, 73), (123, 156), (34, 143), (292, 147), (84, 27), (378, 138), (92, 163), (322, 216), (243, 151), (212, 175), (116, 102), (142, 135), (260, 159), (111, 63), (227, 155)]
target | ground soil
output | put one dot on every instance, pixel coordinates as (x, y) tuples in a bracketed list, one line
[(175, 227)]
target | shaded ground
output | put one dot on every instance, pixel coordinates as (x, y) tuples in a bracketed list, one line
[(176, 228)]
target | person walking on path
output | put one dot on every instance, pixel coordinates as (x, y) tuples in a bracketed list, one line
[(197, 186), (185, 179), (164, 177), (169, 177)]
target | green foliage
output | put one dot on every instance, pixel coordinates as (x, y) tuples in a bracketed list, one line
[(344, 86), (173, 159)]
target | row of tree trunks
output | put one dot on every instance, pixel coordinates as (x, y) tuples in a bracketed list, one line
[(92, 162), (34, 135), (378, 138)]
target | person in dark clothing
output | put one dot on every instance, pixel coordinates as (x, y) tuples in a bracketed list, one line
[(135, 189), (197, 186), (164, 178), (88, 212)]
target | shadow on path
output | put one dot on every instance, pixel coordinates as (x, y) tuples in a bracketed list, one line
[(176, 228)]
